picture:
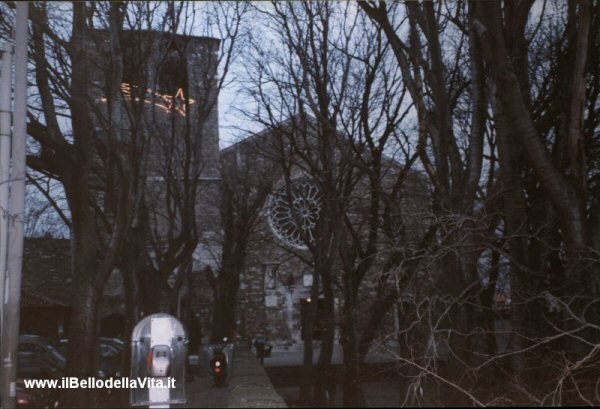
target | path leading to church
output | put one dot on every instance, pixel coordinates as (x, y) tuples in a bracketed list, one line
[(249, 387)]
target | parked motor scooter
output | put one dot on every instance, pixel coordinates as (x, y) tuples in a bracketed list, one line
[(219, 364)]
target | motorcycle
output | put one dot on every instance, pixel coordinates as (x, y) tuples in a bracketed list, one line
[(219, 364)]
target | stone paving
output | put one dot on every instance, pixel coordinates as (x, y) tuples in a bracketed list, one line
[(202, 394), (248, 387)]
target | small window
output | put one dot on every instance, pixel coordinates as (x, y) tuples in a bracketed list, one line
[(307, 279)]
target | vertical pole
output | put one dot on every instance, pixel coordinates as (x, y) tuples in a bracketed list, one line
[(160, 334), (5, 124), (10, 335)]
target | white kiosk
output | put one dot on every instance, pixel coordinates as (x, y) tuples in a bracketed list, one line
[(159, 354)]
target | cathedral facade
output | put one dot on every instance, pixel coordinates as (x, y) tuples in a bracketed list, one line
[(275, 287)]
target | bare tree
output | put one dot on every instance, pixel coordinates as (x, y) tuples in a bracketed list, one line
[(540, 224), (70, 159), (102, 156), (246, 181), (437, 84), (334, 105)]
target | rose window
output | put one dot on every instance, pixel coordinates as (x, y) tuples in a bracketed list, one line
[(293, 213)]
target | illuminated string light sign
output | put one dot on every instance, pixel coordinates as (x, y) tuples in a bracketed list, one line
[(293, 213), (165, 102)]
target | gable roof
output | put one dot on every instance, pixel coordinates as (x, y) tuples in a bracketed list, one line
[(259, 143)]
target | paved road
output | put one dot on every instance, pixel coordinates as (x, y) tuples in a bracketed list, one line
[(201, 394)]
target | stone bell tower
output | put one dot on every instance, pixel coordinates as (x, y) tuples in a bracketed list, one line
[(172, 81)]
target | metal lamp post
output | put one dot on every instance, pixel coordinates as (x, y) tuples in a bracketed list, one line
[(16, 212)]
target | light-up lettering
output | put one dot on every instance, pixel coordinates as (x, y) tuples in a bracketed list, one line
[(167, 103)]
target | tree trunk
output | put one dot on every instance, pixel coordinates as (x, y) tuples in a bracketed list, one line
[(226, 300), (510, 96), (307, 324), (226, 295), (132, 306), (82, 358), (324, 389), (488, 317), (515, 229), (218, 320), (352, 383), (450, 339), (149, 283)]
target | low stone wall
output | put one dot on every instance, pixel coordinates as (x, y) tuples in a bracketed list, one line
[(249, 384)]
